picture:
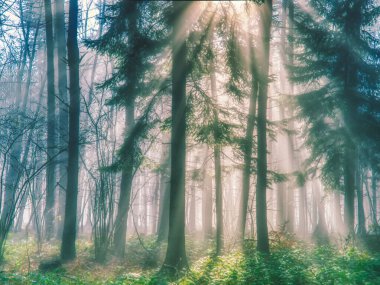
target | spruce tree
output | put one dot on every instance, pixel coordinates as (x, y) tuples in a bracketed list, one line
[(336, 59)]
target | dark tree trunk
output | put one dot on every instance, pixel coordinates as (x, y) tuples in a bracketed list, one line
[(349, 188), (120, 234), (359, 193), (176, 253), (262, 167), (218, 200), (217, 164), (63, 122), (247, 151), (68, 250), (50, 169), (121, 222)]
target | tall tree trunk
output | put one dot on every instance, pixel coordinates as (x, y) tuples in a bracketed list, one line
[(247, 149), (63, 121), (302, 211), (176, 253), (218, 200), (207, 199), (217, 163), (262, 167), (337, 213), (120, 233), (155, 195), (13, 169), (163, 222), (320, 233), (281, 213), (68, 250), (192, 210), (374, 196), (349, 187), (50, 167), (359, 193)]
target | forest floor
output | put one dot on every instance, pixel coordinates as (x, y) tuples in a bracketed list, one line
[(290, 262)]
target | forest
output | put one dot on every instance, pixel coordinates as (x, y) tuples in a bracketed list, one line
[(190, 142)]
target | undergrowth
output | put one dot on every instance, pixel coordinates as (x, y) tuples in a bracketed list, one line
[(290, 262)]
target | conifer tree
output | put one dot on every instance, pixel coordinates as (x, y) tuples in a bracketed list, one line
[(338, 61)]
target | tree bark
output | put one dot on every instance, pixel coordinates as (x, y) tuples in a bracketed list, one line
[(374, 196), (207, 211), (63, 121), (359, 193), (163, 222), (120, 234), (247, 150), (50, 167), (176, 254), (262, 167), (68, 250), (349, 188)]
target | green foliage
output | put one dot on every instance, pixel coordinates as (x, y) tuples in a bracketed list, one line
[(336, 60), (290, 263)]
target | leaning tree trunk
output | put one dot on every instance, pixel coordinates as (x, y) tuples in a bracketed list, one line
[(68, 250)]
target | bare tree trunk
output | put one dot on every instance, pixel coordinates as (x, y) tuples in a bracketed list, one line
[(337, 213), (68, 250), (207, 211), (50, 167), (192, 210), (63, 122), (262, 167), (176, 259), (281, 213), (120, 234), (374, 196), (247, 151), (163, 222), (217, 165), (349, 188), (359, 193)]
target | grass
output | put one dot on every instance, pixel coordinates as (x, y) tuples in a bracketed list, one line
[(290, 262)]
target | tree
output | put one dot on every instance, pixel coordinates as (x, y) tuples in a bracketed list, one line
[(68, 250), (175, 259), (50, 170), (63, 121), (337, 60), (262, 167)]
